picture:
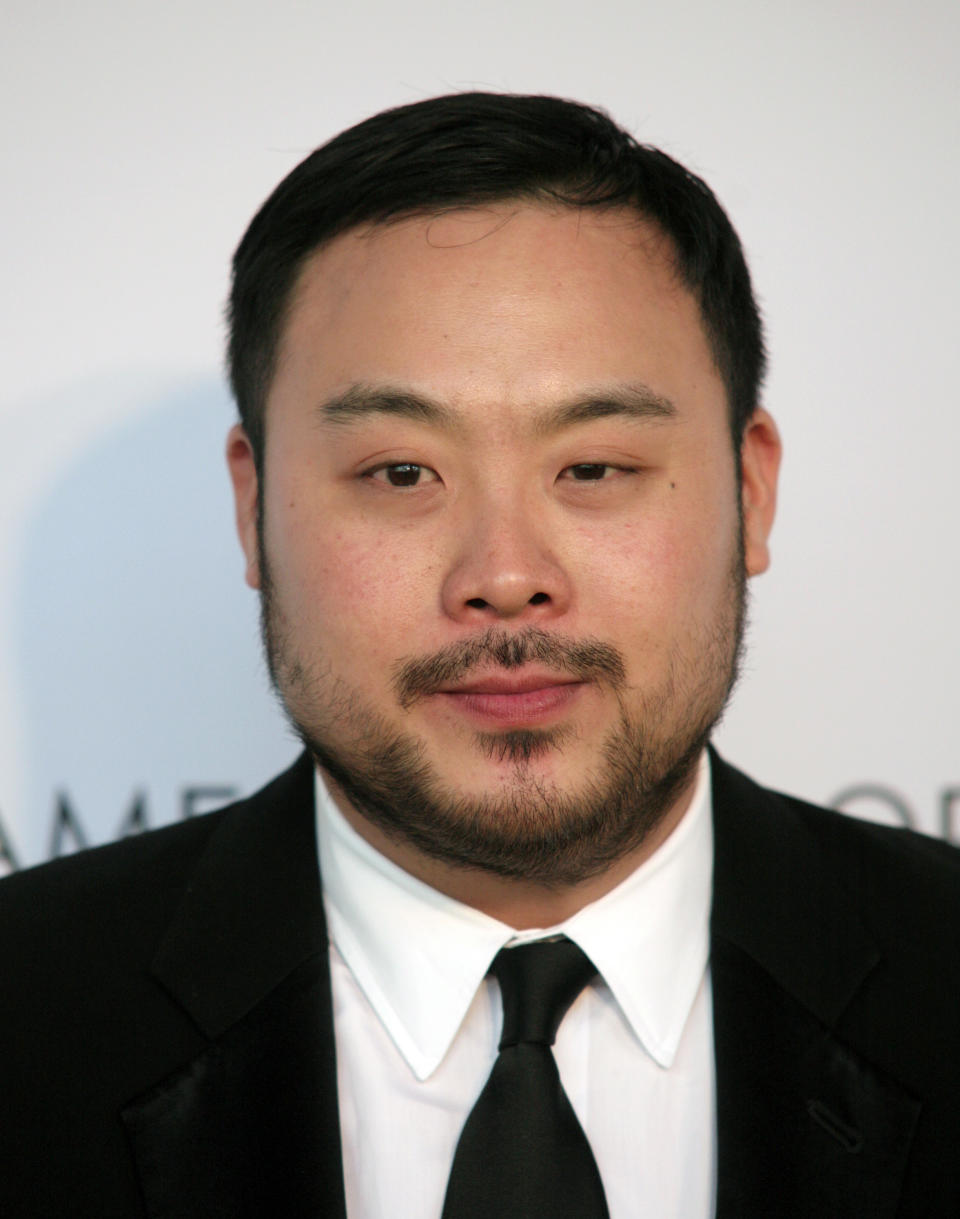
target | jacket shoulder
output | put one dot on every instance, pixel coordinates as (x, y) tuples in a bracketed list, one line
[(910, 868), (121, 894), (131, 874)]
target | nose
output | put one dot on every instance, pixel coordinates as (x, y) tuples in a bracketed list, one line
[(504, 566)]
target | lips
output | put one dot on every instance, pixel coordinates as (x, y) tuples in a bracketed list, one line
[(510, 683), (518, 699)]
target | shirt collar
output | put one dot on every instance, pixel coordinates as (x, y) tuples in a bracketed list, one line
[(420, 956)]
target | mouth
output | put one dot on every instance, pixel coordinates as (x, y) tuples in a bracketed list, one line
[(523, 699)]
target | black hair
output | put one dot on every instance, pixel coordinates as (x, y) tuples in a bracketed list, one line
[(472, 148)]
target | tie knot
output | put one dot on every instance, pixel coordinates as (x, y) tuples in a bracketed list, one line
[(538, 983)]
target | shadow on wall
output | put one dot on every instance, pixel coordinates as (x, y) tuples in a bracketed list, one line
[(142, 690)]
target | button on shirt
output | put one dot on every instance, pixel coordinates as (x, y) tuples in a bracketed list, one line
[(417, 1024)]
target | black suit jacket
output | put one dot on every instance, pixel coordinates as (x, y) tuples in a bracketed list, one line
[(166, 1035)]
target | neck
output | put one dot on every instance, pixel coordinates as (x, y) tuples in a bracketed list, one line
[(518, 903)]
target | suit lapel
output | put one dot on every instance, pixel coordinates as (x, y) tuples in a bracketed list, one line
[(806, 1126), (250, 1126)]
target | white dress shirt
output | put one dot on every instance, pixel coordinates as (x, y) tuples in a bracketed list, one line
[(417, 1024)]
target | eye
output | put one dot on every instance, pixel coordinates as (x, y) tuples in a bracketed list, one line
[(403, 474), (591, 471)]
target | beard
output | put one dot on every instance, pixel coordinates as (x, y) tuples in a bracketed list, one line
[(530, 828)]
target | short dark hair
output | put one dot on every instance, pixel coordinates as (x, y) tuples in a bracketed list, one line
[(472, 148)]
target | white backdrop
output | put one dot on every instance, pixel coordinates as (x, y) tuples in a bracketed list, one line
[(139, 138)]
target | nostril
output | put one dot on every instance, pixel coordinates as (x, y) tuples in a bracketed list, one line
[(539, 598), (477, 603)]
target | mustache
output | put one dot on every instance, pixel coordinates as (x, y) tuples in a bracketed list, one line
[(587, 660)]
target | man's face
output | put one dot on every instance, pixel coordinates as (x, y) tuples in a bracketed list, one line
[(500, 550)]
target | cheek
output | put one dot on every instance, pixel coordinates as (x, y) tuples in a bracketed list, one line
[(660, 573), (354, 593)]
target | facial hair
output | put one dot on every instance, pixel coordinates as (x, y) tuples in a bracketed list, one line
[(532, 829)]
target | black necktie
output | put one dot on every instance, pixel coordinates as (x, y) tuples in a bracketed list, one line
[(522, 1153)]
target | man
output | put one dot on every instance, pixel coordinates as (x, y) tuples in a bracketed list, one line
[(501, 475)]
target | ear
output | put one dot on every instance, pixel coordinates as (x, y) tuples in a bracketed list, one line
[(246, 494), (760, 467)]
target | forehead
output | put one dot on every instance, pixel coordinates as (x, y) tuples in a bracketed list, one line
[(515, 304)]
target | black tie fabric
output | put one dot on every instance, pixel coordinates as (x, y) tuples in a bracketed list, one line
[(522, 1153)]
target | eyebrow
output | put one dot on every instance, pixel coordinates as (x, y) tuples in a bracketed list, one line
[(631, 401), (360, 401), (635, 401)]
